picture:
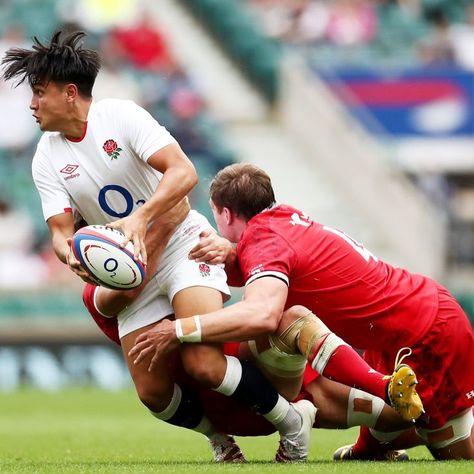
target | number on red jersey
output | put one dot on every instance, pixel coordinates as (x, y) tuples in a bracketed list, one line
[(357, 246)]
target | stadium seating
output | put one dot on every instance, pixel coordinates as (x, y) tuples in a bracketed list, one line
[(237, 33)]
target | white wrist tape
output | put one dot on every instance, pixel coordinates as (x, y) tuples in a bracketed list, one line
[(194, 336)]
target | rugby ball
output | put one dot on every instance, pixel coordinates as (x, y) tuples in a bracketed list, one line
[(99, 250)]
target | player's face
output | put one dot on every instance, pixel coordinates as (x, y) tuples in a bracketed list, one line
[(49, 105), (221, 222)]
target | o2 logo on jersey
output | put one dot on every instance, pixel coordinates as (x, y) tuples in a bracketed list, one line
[(127, 200)]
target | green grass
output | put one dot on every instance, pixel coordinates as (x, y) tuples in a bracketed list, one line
[(91, 431)]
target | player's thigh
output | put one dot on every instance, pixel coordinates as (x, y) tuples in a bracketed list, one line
[(196, 300), (153, 387), (204, 362)]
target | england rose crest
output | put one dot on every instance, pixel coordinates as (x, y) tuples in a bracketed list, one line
[(112, 149), (204, 269)]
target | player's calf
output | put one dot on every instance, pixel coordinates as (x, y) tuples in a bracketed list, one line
[(301, 331)]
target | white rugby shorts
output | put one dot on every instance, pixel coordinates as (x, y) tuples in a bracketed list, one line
[(175, 273)]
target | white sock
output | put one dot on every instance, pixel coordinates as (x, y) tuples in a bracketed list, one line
[(284, 417)]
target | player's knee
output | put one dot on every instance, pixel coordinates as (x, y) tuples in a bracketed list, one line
[(299, 330), (453, 440), (203, 365), (292, 314), (155, 397)]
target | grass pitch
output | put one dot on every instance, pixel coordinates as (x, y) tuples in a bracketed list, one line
[(91, 431)]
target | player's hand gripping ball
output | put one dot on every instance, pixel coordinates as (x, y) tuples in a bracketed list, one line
[(99, 250)]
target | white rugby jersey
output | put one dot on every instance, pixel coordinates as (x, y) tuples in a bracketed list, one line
[(104, 175)]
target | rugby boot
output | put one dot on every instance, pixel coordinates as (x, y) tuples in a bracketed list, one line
[(225, 449), (345, 453), (402, 389), (294, 448)]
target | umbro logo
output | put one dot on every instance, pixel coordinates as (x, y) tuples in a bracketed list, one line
[(69, 170)]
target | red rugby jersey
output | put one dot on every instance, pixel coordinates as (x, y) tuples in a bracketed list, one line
[(367, 302)]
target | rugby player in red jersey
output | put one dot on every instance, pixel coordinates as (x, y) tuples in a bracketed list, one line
[(284, 258)]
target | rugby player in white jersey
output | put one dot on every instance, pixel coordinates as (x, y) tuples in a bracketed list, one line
[(119, 167)]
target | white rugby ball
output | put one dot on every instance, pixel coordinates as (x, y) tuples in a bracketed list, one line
[(98, 249)]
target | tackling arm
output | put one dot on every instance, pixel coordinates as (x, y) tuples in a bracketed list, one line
[(258, 313)]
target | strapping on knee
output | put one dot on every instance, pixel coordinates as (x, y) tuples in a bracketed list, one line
[(301, 335), (454, 430), (277, 362)]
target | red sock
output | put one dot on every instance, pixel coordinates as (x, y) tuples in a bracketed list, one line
[(346, 366), (366, 445)]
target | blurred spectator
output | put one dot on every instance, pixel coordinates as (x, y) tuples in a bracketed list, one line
[(17, 126), (275, 17), (99, 16), (463, 40), (437, 49), (144, 46), (410, 7), (19, 267), (294, 21), (351, 22), (114, 78), (185, 106)]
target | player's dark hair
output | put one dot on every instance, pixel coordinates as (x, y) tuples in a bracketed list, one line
[(243, 188), (62, 61)]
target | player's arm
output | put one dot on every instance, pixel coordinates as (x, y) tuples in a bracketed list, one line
[(179, 178), (258, 313), (61, 229), (110, 302)]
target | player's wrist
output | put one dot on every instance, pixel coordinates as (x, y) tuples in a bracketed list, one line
[(189, 329)]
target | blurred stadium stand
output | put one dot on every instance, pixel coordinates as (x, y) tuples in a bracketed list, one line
[(416, 117), (323, 108)]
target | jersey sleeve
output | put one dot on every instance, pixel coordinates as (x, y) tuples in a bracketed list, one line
[(235, 277), (146, 135), (109, 326), (54, 197), (265, 253)]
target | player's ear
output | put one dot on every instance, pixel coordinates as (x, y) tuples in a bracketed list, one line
[(71, 92), (228, 215)]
